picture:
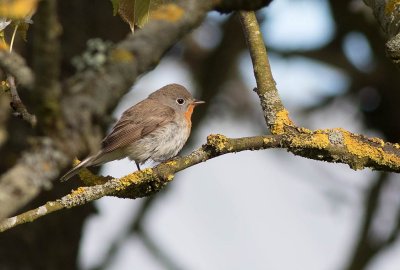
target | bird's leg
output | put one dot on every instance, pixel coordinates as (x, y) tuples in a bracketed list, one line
[(137, 165)]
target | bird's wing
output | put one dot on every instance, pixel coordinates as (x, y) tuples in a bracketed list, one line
[(136, 122)]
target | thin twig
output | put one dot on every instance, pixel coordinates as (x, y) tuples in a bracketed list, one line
[(141, 183), (134, 227), (17, 104), (157, 252), (274, 112), (366, 247)]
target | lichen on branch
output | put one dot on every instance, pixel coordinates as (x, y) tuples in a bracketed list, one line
[(333, 145), (275, 114)]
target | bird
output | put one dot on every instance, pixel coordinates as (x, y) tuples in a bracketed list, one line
[(155, 129)]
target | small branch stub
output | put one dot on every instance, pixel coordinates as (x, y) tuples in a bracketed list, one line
[(17, 105)]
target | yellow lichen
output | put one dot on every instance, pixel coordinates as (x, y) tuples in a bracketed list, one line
[(363, 151), (267, 140), (391, 6), (168, 12), (121, 55), (170, 177), (134, 178), (171, 163), (89, 178), (282, 120), (320, 140), (304, 130), (396, 145), (378, 141), (78, 191), (4, 87), (217, 141), (316, 140), (76, 162)]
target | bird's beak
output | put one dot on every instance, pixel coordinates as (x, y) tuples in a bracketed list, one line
[(198, 102)]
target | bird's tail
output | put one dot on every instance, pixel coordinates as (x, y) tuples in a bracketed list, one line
[(75, 170), (99, 159)]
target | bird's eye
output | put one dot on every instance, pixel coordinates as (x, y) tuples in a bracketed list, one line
[(180, 101)]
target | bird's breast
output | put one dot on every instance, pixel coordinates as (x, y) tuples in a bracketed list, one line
[(162, 144), (188, 115)]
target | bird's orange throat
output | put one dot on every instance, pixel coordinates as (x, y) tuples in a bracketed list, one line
[(188, 114)]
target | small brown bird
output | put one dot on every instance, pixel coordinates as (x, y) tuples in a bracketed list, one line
[(156, 128)]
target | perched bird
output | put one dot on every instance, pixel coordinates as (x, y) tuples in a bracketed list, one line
[(156, 128)]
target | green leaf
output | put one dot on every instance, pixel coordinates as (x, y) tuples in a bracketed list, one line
[(126, 11), (135, 12), (141, 12), (115, 4)]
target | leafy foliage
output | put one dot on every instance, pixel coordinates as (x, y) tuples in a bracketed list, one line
[(135, 12)]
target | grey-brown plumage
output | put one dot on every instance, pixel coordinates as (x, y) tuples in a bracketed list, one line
[(155, 128)]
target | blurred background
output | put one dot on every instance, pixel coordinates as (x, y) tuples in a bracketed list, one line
[(251, 210)]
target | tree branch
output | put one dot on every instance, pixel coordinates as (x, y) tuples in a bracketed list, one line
[(139, 184), (135, 227), (275, 114), (17, 104), (333, 145), (15, 65), (279, 122), (152, 246), (46, 63), (366, 248), (33, 172), (387, 13)]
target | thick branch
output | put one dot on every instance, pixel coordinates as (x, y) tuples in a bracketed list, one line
[(387, 14), (360, 151), (15, 65), (46, 63), (34, 171), (141, 183)]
